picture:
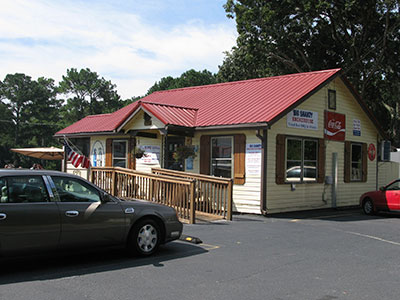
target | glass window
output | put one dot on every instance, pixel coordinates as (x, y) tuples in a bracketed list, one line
[(301, 160), (75, 190), (24, 189), (4, 190), (332, 99), (356, 162), (119, 153), (221, 156)]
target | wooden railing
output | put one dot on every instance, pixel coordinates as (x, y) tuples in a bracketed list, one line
[(176, 192), (213, 195)]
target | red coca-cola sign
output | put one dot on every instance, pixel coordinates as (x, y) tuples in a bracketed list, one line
[(335, 126), (371, 152)]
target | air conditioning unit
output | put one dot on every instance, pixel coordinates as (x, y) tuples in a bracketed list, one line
[(384, 151)]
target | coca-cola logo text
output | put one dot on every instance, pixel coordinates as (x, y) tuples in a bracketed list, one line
[(333, 124)]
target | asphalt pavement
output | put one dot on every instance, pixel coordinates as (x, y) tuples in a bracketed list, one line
[(321, 255)]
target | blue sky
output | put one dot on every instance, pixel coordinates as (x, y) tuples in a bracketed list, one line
[(132, 43)]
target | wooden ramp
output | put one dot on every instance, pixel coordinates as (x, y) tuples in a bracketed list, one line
[(193, 196)]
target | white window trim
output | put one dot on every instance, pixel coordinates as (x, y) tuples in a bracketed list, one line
[(302, 140), (232, 153)]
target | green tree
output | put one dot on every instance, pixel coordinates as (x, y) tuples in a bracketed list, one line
[(29, 113), (88, 94), (6, 133), (188, 78), (281, 37)]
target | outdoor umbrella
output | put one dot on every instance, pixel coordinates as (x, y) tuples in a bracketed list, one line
[(51, 153)]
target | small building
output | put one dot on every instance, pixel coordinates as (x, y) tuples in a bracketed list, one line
[(293, 142)]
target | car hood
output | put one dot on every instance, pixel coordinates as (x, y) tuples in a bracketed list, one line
[(371, 194)]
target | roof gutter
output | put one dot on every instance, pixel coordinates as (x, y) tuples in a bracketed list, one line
[(264, 125), (85, 134)]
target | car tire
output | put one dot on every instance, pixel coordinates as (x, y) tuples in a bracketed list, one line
[(368, 207), (144, 238)]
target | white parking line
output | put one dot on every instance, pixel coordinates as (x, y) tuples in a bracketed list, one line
[(208, 246), (374, 238)]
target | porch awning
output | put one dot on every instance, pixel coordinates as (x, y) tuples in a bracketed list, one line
[(50, 153)]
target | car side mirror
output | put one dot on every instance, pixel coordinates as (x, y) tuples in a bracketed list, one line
[(382, 189), (106, 198)]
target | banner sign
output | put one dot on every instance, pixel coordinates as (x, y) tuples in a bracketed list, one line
[(151, 155), (302, 119), (335, 126)]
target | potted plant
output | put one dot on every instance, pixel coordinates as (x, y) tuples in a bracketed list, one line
[(184, 152), (139, 152)]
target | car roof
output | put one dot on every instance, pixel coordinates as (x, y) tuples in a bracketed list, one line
[(22, 172)]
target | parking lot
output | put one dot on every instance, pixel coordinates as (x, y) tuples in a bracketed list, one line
[(322, 255)]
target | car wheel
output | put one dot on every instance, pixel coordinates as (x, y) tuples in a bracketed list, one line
[(368, 207), (145, 237)]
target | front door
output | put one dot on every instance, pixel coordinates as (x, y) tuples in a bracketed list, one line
[(28, 220), (173, 142), (85, 220)]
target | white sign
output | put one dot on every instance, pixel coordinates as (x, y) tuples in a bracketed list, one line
[(356, 127), (151, 155), (302, 119), (253, 159)]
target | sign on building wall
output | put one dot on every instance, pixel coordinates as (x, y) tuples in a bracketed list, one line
[(335, 126), (98, 154), (302, 119), (253, 159), (151, 155), (356, 127)]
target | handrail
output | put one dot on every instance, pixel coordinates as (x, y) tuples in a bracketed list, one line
[(191, 175), (213, 194), (145, 174), (125, 183)]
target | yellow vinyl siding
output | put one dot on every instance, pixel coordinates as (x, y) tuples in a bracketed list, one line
[(314, 195)]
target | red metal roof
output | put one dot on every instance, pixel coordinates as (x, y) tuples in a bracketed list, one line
[(172, 114), (242, 102), (100, 123)]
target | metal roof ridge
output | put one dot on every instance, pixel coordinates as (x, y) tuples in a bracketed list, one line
[(98, 115), (248, 80), (171, 105)]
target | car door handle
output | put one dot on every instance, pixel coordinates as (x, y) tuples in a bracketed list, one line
[(2, 216), (71, 213)]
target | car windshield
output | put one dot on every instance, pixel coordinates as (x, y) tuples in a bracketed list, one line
[(394, 186)]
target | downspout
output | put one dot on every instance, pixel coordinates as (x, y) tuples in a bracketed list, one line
[(264, 160), (377, 166)]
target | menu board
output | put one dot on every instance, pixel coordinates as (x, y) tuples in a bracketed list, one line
[(253, 159)]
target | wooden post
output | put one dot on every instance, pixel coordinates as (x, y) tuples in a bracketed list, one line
[(230, 200), (113, 183), (192, 204), (151, 189)]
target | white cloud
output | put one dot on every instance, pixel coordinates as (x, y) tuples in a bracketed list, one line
[(45, 38)]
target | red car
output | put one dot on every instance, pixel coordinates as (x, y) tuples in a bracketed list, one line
[(386, 199)]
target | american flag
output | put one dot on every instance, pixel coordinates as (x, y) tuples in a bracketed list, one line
[(75, 158)]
